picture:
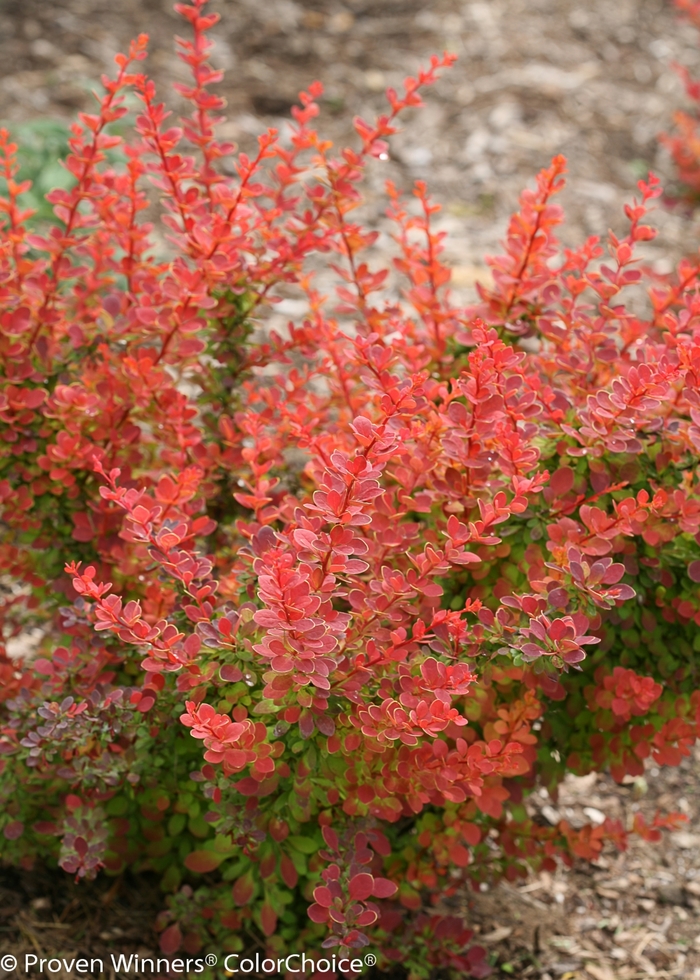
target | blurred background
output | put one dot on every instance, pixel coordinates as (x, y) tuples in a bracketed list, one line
[(591, 80)]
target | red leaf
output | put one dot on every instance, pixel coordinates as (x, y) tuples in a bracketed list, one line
[(562, 480), (13, 830), (459, 855), (171, 939), (330, 837), (20, 321), (409, 898), (279, 829), (366, 918), (203, 861), (361, 886), (243, 889), (317, 913), (289, 873), (323, 897), (192, 943), (471, 833), (267, 865), (45, 827), (268, 919), (383, 888)]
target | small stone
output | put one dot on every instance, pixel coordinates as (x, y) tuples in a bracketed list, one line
[(31, 28), (671, 894), (341, 22), (313, 19), (417, 157), (565, 967), (551, 815), (498, 934), (375, 80), (596, 817)]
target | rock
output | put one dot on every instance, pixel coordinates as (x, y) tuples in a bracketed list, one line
[(685, 840), (599, 971), (502, 932), (607, 892), (595, 816), (551, 815), (671, 894)]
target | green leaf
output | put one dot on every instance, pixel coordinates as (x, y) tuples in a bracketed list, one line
[(304, 844), (170, 881), (117, 806), (267, 707), (176, 824), (198, 827)]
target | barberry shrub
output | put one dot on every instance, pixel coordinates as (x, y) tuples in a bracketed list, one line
[(317, 608)]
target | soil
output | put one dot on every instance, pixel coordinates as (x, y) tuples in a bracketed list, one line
[(592, 80), (42, 912), (628, 915)]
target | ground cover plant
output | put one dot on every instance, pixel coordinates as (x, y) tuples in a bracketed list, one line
[(320, 607)]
